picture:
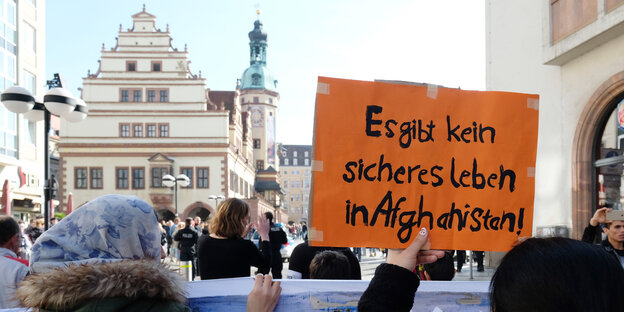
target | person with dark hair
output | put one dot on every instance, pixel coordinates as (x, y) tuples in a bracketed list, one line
[(557, 274), (441, 270), (13, 269), (394, 284), (224, 253), (187, 239), (302, 255), (277, 237), (614, 242), (330, 264)]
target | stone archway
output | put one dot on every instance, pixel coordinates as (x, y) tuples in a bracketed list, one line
[(200, 209), (590, 125)]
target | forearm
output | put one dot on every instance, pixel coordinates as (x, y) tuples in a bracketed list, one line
[(391, 289)]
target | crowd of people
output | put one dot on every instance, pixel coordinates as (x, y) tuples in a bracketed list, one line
[(107, 255)]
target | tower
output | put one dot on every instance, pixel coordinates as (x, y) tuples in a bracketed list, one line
[(259, 97)]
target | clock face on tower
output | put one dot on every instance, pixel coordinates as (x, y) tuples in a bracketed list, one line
[(256, 117)]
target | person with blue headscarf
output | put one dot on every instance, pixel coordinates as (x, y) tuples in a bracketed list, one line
[(106, 254)]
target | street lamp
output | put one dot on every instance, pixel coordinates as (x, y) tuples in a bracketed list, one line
[(216, 198), (170, 181), (58, 101)]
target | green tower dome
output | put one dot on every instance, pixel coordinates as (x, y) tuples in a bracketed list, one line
[(257, 76)]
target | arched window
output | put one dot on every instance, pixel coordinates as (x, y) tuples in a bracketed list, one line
[(255, 79), (595, 161)]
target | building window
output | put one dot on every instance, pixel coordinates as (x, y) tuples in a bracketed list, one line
[(285, 161), (256, 143), (124, 130), (131, 66), (138, 178), (30, 131), (29, 82), (137, 130), (285, 183), (29, 37), (124, 96), (164, 95), (156, 66), (298, 184), (80, 178), (294, 153), (151, 130), (97, 178), (157, 174), (136, 95), (163, 130), (151, 95), (295, 162), (256, 99), (270, 100), (260, 164), (188, 171), (306, 154), (158, 95), (306, 162), (202, 177), (121, 175)]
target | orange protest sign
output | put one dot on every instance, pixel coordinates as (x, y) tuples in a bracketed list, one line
[(392, 158)]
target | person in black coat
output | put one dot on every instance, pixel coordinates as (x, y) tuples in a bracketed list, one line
[(614, 243), (277, 237), (394, 284), (224, 253), (187, 238)]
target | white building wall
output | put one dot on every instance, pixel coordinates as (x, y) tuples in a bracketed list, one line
[(514, 63)]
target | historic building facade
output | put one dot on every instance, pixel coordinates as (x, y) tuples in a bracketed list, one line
[(22, 59), (296, 178), (149, 116), (570, 53)]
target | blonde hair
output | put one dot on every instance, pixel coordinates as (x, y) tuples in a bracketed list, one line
[(229, 219)]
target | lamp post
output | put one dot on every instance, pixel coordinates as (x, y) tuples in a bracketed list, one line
[(171, 181), (216, 198), (58, 101)]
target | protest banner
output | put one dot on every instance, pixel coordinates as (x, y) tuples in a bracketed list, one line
[(391, 158)]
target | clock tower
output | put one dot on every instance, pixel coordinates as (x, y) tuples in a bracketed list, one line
[(259, 96)]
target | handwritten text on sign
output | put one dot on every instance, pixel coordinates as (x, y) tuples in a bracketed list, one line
[(396, 159)]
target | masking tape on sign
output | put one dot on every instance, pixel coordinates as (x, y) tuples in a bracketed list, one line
[(531, 172), (432, 91), (315, 235), (533, 103), (317, 165), (322, 88)]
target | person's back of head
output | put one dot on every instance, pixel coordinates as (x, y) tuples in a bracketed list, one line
[(330, 264), (557, 274), (441, 270), (230, 219), (9, 228), (269, 215), (188, 221)]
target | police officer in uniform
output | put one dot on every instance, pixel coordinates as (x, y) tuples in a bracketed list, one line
[(187, 238), (277, 237)]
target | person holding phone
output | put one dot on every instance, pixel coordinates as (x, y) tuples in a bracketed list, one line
[(614, 229)]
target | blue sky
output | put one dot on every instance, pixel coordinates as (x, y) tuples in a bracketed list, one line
[(440, 42)]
